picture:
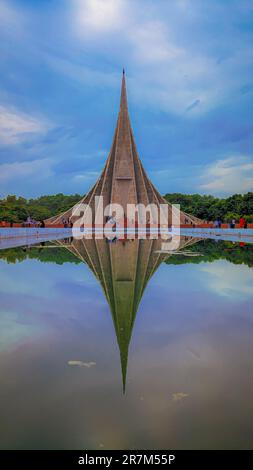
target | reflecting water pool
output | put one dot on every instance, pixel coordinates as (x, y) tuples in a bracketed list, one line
[(121, 346)]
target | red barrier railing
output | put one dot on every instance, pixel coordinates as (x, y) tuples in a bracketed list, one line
[(211, 225)]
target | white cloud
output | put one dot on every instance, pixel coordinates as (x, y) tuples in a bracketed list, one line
[(231, 281), (98, 16), (80, 73), (18, 170), (16, 127), (171, 70), (87, 175), (150, 43), (230, 175)]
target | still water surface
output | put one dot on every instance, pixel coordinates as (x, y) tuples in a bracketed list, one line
[(71, 316)]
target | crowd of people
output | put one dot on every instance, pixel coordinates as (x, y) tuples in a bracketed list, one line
[(66, 222), (30, 222), (232, 223)]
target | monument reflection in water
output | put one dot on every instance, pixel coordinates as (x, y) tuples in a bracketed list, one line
[(123, 269)]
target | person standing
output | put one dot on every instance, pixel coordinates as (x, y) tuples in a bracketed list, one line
[(242, 222)]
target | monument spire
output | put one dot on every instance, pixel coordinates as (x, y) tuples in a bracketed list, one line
[(123, 98), (123, 180), (123, 271)]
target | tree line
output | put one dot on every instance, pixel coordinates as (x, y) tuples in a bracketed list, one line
[(206, 207), (208, 250), (211, 208)]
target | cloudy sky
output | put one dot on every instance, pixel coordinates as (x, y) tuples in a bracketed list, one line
[(189, 67)]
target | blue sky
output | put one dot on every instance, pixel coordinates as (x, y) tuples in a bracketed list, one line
[(189, 67)]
